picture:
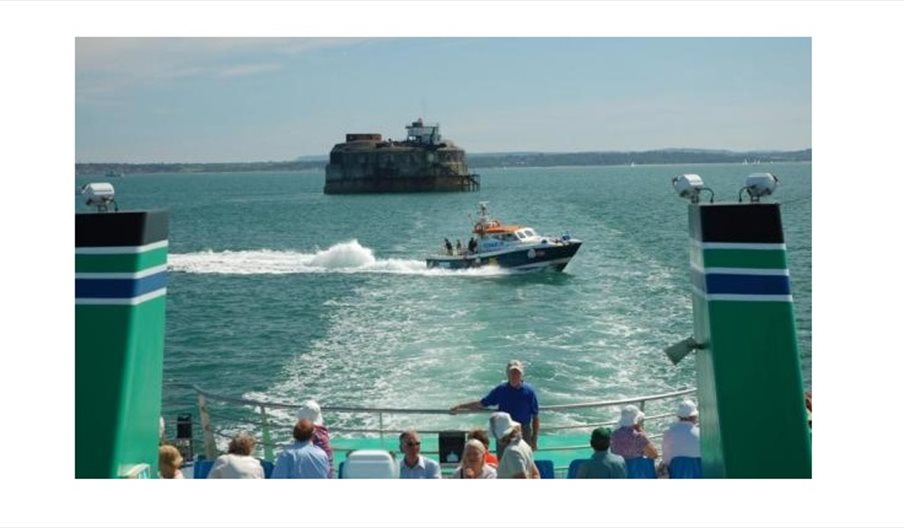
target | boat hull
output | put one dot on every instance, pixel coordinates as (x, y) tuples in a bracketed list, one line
[(550, 257)]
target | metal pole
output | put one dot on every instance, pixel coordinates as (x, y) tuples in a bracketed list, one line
[(265, 433), (210, 445)]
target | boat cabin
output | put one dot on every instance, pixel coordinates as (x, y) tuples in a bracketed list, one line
[(495, 238)]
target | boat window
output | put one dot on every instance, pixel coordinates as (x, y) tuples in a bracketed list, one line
[(520, 234), (530, 232)]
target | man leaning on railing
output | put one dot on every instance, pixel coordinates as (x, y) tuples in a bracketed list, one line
[(514, 397)]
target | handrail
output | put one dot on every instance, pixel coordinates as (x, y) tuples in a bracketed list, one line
[(624, 401), (546, 428), (402, 410), (264, 421)]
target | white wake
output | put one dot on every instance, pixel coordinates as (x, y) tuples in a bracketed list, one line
[(345, 257)]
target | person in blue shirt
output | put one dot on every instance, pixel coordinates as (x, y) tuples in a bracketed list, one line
[(302, 460), (414, 465), (514, 397)]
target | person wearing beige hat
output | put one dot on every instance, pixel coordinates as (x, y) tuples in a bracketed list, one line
[(514, 397), (517, 460), (682, 438)]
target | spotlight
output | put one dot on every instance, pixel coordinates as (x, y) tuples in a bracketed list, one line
[(100, 196), (689, 186), (759, 184)]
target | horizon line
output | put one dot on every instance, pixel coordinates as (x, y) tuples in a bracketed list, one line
[(491, 153)]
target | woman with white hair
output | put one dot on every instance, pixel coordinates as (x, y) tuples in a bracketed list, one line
[(310, 410), (630, 440), (473, 464), (239, 462)]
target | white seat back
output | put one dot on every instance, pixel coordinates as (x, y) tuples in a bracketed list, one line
[(370, 464)]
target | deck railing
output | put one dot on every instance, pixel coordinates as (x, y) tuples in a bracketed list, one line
[(235, 413)]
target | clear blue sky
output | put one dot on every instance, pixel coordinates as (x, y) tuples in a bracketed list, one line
[(235, 99)]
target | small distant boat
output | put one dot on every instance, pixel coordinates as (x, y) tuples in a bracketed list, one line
[(508, 246), (114, 174)]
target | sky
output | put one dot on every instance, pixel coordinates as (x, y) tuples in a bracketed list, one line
[(276, 99), (856, 111)]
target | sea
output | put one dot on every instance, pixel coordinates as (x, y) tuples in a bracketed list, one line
[(279, 292)]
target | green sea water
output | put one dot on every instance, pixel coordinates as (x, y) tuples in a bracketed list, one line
[(277, 291)]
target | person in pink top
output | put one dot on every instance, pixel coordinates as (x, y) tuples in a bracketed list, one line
[(310, 410), (630, 440)]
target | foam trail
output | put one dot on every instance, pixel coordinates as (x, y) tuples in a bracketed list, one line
[(345, 257)]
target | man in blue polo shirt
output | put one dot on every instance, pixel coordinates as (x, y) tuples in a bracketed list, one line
[(514, 397)]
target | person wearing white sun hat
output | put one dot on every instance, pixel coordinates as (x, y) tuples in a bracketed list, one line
[(517, 460), (630, 440), (682, 438)]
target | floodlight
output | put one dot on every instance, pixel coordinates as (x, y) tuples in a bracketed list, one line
[(689, 186)]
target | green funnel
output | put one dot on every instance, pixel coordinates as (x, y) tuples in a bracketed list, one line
[(753, 422), (120, 312)]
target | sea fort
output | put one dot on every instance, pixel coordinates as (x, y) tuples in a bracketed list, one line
[(423, 162)]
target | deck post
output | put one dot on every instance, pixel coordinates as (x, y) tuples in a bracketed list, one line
[(210, 444), (265, 435)]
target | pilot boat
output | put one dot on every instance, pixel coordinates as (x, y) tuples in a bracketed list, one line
[(510, 246)]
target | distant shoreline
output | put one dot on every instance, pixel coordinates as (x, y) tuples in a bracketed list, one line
[(480, 161)]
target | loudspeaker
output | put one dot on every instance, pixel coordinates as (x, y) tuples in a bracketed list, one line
[(183, 426), (451, 446)]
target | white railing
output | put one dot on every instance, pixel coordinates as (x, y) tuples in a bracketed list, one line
[(257, 413)]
